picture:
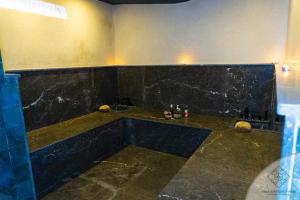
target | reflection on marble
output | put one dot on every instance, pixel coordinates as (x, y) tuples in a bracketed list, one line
[(130, 174), (58, 162), (216, 90), (51, 96), (224, 167)]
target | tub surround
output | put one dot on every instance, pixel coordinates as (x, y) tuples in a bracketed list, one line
[(65, 159), (59, 112), (223, 166), (52, 96), (224, 90)]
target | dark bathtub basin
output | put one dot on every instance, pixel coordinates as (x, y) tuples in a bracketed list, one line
[(58, 162)]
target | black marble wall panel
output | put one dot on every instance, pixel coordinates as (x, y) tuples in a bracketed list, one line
[(211, 89), (58, 162), (51, 96), (173, 139), (131, 84)]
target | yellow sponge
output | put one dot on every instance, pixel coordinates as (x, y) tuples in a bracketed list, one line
[(243, 126), (104, 108)]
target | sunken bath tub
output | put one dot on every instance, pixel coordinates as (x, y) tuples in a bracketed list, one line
[(112, 160)]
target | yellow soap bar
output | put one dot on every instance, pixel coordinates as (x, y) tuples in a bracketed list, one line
[(104, 108), (243, 126)]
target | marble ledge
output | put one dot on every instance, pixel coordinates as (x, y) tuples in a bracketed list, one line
[(42, 137), (223, 167)]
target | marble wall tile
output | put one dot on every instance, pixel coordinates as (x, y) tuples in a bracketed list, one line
[(210, 89), (52, 96), (130, 84), (105, 84), (199, 88), (252, 87)]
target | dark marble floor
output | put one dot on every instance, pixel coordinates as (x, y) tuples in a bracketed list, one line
[(223, 167), (133, 173)]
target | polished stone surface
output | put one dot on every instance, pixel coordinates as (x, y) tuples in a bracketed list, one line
[(65, 159), (56, 95), (131, 84), (52, 96), (224, 165), (131, 174), (225, 90)]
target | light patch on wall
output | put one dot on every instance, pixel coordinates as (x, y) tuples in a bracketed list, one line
[(285, 70), (185, 59), (110, 60), (36, 7), (119, 61)]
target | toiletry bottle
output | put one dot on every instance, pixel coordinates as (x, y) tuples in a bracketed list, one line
[(172, 110), (186, 112), (177, 114)]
